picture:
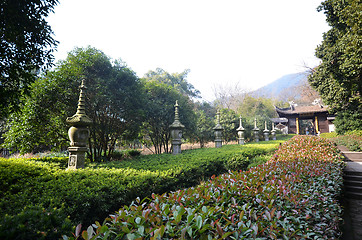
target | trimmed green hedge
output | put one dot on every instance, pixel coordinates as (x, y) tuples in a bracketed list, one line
[(294, 196), (43, 188)]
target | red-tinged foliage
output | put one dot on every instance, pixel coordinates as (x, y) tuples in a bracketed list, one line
[(293, 196)]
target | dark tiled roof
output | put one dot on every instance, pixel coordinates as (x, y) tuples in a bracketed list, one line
[(279, 120), (302, 109)]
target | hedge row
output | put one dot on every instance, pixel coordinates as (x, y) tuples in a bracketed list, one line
[(293, 196), (352, 142), (39, 199)]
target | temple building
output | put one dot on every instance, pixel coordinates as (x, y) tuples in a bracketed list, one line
[(305, 119)]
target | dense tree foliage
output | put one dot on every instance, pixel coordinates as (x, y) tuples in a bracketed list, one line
[(26, 46), (260, 108), (177, 80), (204, 132), (114, 101), (256, 107), (338, 78), (228, 120), (160, 98)]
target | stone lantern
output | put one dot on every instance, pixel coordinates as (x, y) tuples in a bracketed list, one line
[(176, 132), (218, 131), (240, 130), (256, 131), (273, 131), (266, 133), (78, 133)]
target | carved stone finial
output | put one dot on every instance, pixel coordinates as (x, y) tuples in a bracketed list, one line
[(218, 125), (240, 128), (266, 128), (255, 126), (176, 111), (176, 123), (80, 118)]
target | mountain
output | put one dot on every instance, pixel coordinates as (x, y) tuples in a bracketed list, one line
[(284, 88)]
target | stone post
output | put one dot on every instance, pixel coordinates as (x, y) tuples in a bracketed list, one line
[(176, 132), (240, 130), (218, 131), (78, 133), (256, 131), (266, 133), (273, 131)]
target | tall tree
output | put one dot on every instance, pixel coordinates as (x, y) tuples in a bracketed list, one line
[(228, 119), (161, 97), (26, 46), (228, 96), (114, 102), (176, 80), (205, 114), (338, 78)]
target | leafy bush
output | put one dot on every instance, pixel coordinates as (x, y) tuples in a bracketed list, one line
[(116, 155), (352, 139), (355, 132), (303, 147), (35, 222), (293, 196), (329, 135), (259, 160), (92, 193), (352, 142), (119, 155), (133, 152)]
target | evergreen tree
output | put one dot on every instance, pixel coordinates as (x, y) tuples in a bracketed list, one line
[(338, 78)]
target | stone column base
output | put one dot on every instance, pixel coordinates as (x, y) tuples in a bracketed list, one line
[(176, 147), (76, 157), (218, 143), (241, 141)]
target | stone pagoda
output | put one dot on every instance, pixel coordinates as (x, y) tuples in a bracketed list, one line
[(256, 131), (176, 132), (78, 133), (240, 131), (273, 132), (218, 131)]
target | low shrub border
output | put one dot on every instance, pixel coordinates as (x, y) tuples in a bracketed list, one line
[(352, 139), (293, 196), (42, 188)]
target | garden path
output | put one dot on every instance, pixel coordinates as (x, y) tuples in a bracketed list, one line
[(352, 201)]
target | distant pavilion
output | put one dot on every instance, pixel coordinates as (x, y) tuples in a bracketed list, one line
[(305, 119)]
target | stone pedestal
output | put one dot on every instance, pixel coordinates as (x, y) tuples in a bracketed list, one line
[(176, 135), (274, 137), (176, 147), (241, 138), (218, 138), (76, 157), (256, 135)]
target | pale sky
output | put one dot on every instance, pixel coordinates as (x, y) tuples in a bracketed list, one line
[(229, 42)]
